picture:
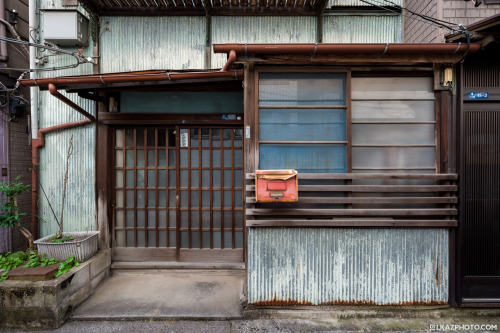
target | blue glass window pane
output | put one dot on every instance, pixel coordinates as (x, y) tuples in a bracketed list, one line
[(308, 158), (302, 125), (302, 89)]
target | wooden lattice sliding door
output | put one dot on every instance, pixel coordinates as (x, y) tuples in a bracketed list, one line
[(178, 194)]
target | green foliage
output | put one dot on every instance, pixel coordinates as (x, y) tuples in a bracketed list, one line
[(9, 215), (58, 238), (65, 266), (35, 260), (10, 261)]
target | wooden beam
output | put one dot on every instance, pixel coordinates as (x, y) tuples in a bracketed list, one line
[(353, 212), (369, 200), (372, 188), (330, 176), (354, 223)]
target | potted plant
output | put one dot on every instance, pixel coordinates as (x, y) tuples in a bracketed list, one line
[(82, 245)]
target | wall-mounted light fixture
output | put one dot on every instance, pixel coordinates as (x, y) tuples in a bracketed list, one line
[(447, 77)]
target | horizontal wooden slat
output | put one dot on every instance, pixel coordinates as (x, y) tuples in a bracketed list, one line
[(370, 200), (372, 188), (353, 212), (353, 223), (319, 176)]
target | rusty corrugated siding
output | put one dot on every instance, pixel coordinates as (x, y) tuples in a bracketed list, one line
[(162, 42), (347, 266), (261, 29), (362, 29), (79, 207)]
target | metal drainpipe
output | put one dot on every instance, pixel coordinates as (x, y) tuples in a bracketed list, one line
[(4, 56), (38, 143), (53, 91), (230, 61), (32, 7)]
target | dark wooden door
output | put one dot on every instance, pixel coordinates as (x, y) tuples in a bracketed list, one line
[(178, 194)]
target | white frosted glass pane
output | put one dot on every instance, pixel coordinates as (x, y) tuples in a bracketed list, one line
[(206, 239), (184, 199), (184, 239), (393, 111), (119, 198), (226, 136), (184, 219), (151, 178), (172, 238), (119, 138), (238, 178), (129, 137), (184, 178), (129, 158), (195, 239), (172, 216), (151, 158), (217, 240), (140, 178), (141, 218), (130, 218), (195, 180), (162, 238), (184, 157), (205, 219), (151, 198), (238, 219), (216, 158), (162, 158), (238, 239), (205, 199), (151, 239), (216, 198), (140, 198), (228, 198), (140, 157), (130, 198), (392, 88), (216, 219), (171, 198), (238, 137), (216, 178), (162, 178), (130, 178), (228, 219), (171, 178), (205, 178), (227, 178), (119, 220), (130, 239), (141, 238), (195, 219), (120, 239), (238, 200), (119, 178), (393, 157), (119, 158), (162, 198), (393, 134), (228, 239), (195, 198), (195, 156), (171, 158), (162, 218), (302, 89), (227, 158), (205, 158), (238, 158)]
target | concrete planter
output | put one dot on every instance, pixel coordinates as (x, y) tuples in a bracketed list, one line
[(83, 248)]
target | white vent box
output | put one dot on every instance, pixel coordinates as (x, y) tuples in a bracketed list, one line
[(65, 27)]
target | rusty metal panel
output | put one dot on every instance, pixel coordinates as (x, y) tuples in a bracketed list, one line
[(355, 3), (358, 28), (143, 43), (261, 29), (288, 266)]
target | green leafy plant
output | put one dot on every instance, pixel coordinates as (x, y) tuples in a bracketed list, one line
[(9, 209), (35, 260), (58, 238), (66, 265), (10, 261)]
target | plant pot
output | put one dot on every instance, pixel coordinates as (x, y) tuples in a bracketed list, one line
[(83, 247)]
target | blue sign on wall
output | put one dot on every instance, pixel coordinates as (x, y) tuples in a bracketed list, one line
[(479, 95)]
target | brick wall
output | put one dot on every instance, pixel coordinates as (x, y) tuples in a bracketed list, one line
[(19, 148), (415, 29), (454, 11)]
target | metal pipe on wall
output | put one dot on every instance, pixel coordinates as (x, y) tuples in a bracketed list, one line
[(4, 56), (53, 91), (32, 7)]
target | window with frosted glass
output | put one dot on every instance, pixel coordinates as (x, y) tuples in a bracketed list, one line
[(393, 125), (302, 122)]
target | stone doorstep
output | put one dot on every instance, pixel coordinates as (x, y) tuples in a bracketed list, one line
[(46, 304)]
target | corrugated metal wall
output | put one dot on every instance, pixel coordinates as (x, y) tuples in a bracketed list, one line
[(347, 266), (79, 208), (362, 29), (261, 29), (349, 3), (142, 43)]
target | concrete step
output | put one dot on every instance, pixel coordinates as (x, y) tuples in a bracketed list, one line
[(176, 265)]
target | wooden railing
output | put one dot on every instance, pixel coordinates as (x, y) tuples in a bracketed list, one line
[(351, 200)]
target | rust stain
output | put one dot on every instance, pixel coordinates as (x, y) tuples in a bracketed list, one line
[(276, 301), (437, 268)]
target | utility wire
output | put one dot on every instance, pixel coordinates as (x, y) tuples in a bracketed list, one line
[(77, 56)]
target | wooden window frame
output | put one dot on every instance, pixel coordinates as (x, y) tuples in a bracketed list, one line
[(309, 70)]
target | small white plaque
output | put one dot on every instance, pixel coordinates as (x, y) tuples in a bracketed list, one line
[(247, 132)]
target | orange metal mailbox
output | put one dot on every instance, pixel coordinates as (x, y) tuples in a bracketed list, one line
[(276, 185)]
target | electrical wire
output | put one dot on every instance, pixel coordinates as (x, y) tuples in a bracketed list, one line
[(74, 54), (418, 14)]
